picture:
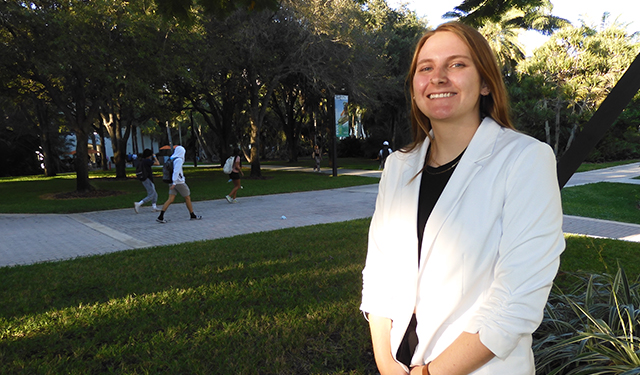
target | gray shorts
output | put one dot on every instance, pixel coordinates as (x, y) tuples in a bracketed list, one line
[(183, 189)]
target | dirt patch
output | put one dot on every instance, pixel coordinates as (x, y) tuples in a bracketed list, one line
[(83, 195)]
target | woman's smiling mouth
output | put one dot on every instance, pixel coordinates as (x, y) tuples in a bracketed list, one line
[(442, 95)]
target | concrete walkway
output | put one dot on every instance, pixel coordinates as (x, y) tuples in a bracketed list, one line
[(32, 238)]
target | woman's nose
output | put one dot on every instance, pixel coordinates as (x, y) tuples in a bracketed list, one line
[(438, 76)]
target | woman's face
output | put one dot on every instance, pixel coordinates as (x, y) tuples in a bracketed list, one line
[(446, 84)]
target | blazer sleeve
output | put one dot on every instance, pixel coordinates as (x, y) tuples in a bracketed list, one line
[(388, 285), (375, 286), (528, 254)]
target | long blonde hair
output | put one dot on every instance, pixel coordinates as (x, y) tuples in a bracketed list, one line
[(494, 105)]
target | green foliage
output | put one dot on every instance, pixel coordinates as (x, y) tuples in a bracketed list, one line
[(566, 80), (591, 328), (185, 10), (528, 14), (350, 147)]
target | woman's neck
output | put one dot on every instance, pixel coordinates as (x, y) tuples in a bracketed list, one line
[(449, 141)]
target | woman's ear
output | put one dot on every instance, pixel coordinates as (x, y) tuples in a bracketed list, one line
[(484, 90)]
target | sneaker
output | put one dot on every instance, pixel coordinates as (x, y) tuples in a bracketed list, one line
[(228, 199), (197, 217), (234, 201), (161, 221), (155, 208), (136, 206)]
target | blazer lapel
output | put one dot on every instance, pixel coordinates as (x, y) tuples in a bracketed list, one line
[(479, 149)]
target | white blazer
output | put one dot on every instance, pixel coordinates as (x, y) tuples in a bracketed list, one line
[(490, 250)]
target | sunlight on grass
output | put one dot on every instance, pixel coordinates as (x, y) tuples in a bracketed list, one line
[(288, 299), (604, 200), (203, 307)]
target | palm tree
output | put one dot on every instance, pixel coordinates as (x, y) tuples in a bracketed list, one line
[(503, 39), (502, 21)]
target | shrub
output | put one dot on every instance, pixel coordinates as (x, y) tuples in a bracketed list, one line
[(350, 147), (592, 329)]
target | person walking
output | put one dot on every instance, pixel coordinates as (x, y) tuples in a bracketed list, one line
[(178, 186), (384, 153), (235, 174), (145, 175), (466, 236), (317, 156)]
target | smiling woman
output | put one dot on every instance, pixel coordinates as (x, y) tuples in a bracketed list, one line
[(461, 260)]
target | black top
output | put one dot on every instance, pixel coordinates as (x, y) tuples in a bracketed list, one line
[(432, 184), (146, 166)]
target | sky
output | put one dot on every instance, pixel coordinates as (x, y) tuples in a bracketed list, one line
[(626, 11)]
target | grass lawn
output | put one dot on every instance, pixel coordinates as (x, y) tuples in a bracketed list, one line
[(604, 200), (33, 194), (598, 255), (584, 167), (280, 302), (345, 163)]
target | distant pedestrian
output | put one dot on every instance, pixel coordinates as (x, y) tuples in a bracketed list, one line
[(235, 174), (317, 156), (178, 186), (384, 153), (145, 175)]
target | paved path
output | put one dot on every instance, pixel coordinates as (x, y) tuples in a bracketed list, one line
[(622, 173), (32, 238)]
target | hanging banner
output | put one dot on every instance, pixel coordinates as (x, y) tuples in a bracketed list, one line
[(342, 116)]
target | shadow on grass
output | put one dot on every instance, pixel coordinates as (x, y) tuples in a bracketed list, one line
[(279, 302)]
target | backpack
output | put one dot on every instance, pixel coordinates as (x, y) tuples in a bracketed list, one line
[(140, 175), (228, 165), (385, 152), (167, 172)]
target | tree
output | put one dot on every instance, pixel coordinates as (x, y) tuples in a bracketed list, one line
[(501, 21), (183, 9), (578, 67), (393, 35), (525, 14), (139, 65), (62, 47)]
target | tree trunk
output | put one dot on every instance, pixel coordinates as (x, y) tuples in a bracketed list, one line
[(255, 148), (50, 165), (195, 140), (50, 162), (82, 168), (113, 124), (547, 128), (103, 149), (574, 128), (556, 144)]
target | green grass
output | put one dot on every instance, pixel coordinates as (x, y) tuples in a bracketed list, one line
[(373, 164), (597, 255), (280, 302), (604, 200), (344, 163), (32, 194), (584, 167)]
